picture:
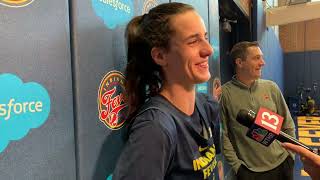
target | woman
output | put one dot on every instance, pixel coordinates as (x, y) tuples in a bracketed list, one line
[(172, 134)]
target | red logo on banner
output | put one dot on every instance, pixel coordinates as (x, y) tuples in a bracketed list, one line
[(148, 4), (269, 120), (111, 101), (16, 3)]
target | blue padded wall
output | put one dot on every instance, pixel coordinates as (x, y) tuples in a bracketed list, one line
[(59, 53), (35, 66), (271, 48)]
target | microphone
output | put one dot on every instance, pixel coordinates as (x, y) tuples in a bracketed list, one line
[(266, 127)]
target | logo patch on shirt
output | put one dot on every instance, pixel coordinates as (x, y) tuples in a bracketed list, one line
[(206, 162), (202, 149), (266, 97)]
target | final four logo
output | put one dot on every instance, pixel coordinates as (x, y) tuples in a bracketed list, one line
[(111, 102), (16, 3)]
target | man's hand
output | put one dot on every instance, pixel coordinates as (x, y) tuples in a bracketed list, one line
[(216, 89)]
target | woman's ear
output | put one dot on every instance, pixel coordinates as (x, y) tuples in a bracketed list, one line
[(158, 55)]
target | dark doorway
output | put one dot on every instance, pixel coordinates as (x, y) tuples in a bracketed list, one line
[(234, 27)]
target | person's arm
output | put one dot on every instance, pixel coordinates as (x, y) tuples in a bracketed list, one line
[(146, 154), (228, 150), (311, 161)]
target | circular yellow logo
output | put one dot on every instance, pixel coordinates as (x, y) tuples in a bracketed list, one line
[(16, 3), (148, 4), (111, 102)]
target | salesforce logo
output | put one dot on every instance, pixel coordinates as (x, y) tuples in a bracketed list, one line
[(113, 12), (202, 88), (23, 106)]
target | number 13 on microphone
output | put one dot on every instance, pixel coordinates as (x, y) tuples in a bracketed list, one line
[(269, 120)]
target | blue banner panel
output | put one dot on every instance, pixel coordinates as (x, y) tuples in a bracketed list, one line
[(36, 108)]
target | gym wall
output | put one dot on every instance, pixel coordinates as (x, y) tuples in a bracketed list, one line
[(36, 109)]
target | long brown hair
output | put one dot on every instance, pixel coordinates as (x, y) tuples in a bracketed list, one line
[(144, 77)]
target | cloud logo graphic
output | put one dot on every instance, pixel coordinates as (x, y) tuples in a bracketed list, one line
[(113, 12), (202, 88), (23, 106)]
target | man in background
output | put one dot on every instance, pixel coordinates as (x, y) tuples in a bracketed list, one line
[(250, 159)]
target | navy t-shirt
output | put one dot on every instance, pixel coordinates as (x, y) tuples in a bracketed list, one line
[(165, 143)]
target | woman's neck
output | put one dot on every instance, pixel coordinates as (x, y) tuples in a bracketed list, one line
[(180, 97)]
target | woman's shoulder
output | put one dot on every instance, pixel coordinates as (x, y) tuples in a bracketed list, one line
[(153, 112)]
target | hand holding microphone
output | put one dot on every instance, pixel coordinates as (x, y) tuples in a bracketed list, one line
[(311, 161), (265, 127)]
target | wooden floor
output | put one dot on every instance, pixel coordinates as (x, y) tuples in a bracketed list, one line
[(308, 132)]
